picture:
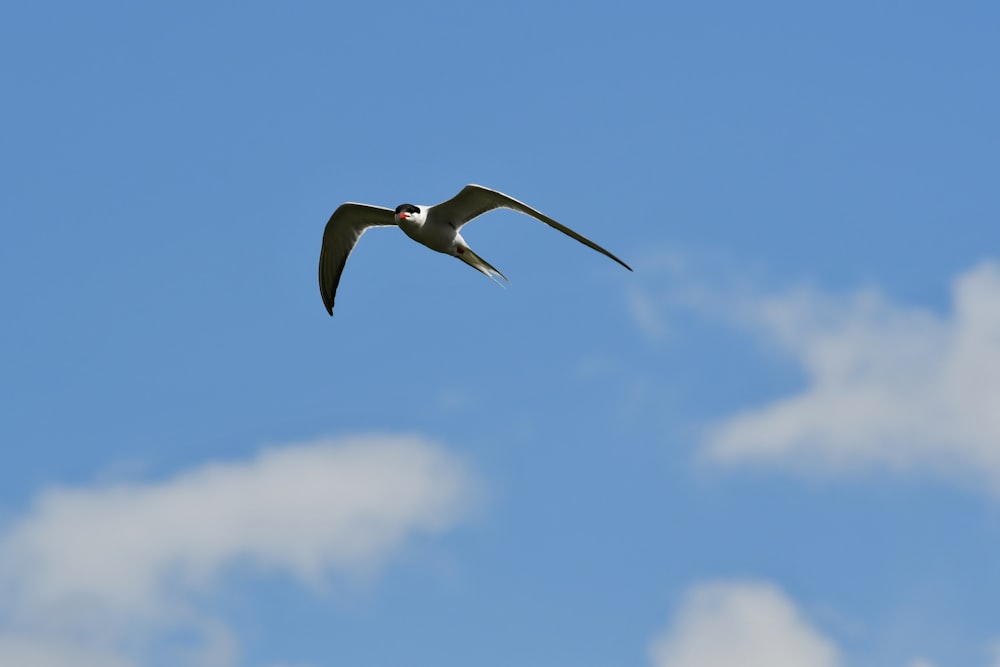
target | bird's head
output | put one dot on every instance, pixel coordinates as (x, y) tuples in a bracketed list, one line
[(409, 213)]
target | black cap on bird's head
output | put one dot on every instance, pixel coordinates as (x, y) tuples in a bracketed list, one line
[(403, 211)]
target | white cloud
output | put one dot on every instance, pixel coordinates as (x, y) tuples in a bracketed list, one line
[(98, 565), (741, 623), (887, 386), (28, 651), (749, 624)]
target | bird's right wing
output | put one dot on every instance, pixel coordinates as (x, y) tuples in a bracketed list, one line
[(342, 232)]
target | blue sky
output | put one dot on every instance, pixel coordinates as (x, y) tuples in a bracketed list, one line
[(775, 443)]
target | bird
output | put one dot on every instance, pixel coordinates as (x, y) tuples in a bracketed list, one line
[(438, 227)]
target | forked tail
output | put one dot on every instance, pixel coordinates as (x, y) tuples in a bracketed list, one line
[(481, 265)]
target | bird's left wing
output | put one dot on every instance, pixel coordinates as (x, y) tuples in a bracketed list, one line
[(342, 232), (474, 200)]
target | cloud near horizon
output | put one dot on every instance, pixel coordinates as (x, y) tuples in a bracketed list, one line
[(746, 623), (750, 623), (105, 563)]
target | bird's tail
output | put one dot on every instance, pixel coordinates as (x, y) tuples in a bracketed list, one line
[(481, 265)]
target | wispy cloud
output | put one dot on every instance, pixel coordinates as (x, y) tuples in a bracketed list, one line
[(887, 386), (101, 565), (751, 624)]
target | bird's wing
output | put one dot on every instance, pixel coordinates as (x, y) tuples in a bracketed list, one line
[(343, 230), (474, 200)]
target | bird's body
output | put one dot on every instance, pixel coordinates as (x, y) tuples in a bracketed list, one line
[(437, 227), (432, 233)]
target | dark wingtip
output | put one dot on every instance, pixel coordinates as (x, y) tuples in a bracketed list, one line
[(620, 262), (327, 303)]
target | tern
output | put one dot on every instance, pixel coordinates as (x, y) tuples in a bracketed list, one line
[(437, 227)]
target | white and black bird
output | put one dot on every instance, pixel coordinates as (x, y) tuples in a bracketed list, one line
[(437, 227)]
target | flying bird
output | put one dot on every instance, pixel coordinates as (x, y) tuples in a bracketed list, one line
[(437, 227)]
